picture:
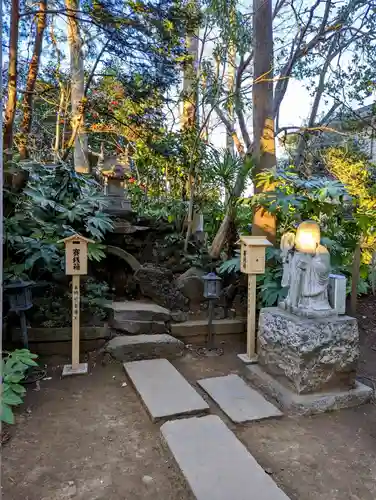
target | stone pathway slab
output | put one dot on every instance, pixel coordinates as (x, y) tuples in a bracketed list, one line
[(163, 390), (200, 327), (215, 464), (237, 400), (135, 310), (137, 347)]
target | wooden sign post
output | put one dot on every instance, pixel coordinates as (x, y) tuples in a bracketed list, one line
[(252, 262), (75, 266)]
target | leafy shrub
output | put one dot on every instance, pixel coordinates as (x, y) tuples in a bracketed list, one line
[(13, 369), (344, 216), (56, 202), (231, 265), (53, 308), (269, 287)]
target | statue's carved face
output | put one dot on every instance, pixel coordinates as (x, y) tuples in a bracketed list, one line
[(307, 237)]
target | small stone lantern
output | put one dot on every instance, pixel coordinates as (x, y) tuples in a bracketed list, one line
[(20, 300), (115, 190), (212, 286), (212, 289)]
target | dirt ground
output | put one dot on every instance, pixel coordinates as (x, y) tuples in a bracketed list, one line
[(89, 438), (323, 457)]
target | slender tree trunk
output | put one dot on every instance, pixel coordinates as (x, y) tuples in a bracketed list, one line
[(189, 118), (264, 223), (27, 103), (190, 112), (10, 109), (355, 279), (230, 235), (231, 89), (81, 163), (223, 231), (60, 114)]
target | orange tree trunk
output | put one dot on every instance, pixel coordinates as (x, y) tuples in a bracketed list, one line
[(264, 223), (10, 109), (80, 153), (27, 102)]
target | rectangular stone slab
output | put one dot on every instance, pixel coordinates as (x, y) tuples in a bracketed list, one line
[(163, 390), (307, 404), (215, 464), (240, 402)]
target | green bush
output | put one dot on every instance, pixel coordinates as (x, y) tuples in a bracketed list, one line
[(295, 199), (55, 203), (13, 370)]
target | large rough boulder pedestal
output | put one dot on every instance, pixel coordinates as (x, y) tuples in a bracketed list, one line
[(191, 285), (311, 354), (308, 365), (157, 283)]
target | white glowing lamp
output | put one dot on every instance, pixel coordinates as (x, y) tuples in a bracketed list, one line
[(307, 237)]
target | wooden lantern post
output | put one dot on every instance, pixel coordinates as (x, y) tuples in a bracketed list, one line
[(75, 266), (252, 263)]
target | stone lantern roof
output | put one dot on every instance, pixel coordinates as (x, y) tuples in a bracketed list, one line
[(114, 167), (117, 171)]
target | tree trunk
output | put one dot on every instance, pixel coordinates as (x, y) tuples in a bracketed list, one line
[(189, 118), (81, 163), (189, 115), (264, 223), (231, 70), (355, 279), (27, 103), (60, 114), (223, 231), (10, 109)]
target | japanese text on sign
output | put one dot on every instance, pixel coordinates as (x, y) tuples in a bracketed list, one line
[(76, 259), (76, 302)]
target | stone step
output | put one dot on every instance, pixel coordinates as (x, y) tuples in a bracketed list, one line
[(135, 347), (215, 464), (139, 327), (135, 310), (163, 390), (237, 400), (200, 327)]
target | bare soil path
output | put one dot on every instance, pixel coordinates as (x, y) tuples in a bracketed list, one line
[(89, 438)]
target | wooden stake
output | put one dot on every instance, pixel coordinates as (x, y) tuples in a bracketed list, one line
[(251, 317), (75, 321)]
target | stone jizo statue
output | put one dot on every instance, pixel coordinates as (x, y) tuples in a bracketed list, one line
[(306, 268)]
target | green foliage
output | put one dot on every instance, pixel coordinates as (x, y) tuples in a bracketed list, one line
[(354, 170), (269, 287), (53, 307), (269, 283), (223, 169), (332, 203), (231, 265), (13, 368), (324, 200), (55, 203), (337, 205)]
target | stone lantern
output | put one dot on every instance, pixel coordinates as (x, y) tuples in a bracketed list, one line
[(20, 300), (115, 189), (212, 290)]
